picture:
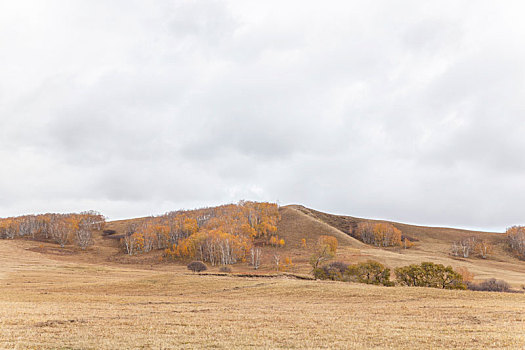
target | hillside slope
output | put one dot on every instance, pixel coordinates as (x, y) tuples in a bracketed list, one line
[(297, 223), (431, 244)]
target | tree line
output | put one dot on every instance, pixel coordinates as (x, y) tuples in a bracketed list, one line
[(220, 235), (62, 229)]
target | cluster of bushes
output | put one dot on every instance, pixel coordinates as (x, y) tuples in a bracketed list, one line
[(370, 272), (426, 274), (490, 285)]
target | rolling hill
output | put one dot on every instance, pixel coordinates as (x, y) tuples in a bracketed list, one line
[(299, 222)]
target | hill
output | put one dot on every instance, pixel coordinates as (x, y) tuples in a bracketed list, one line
[(431, 244), (298, 222)]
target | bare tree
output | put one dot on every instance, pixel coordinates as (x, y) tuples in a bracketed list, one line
[(84, 237), (463, 247), (277, 260), (256, 257)]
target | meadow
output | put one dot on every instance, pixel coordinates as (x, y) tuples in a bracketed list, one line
[(53, 302)]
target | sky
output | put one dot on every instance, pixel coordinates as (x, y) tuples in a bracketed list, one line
[(412, 111)]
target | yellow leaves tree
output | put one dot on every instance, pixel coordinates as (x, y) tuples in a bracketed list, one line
[(325, 250), (277, 242)]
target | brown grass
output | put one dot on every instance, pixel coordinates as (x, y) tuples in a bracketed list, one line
[(50, 304)]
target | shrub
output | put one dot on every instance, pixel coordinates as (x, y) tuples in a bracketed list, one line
[(226, 269), (370, 272), (197, 266), (334, 271), (490, 285), (428, 274)]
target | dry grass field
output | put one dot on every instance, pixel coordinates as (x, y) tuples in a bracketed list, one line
[(62, 298), (55, 304)]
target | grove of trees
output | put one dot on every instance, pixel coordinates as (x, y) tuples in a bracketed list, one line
[(380, 235), (220, 235), (471, 246), (60, 228)]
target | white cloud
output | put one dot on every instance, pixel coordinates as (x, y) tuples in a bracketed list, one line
[(409, 111)]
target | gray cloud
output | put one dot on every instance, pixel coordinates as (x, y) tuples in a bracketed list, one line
[(408, 111)]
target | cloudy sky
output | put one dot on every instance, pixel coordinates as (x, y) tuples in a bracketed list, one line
[(409, 110)]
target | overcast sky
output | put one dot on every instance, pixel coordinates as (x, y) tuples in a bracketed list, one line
[(406, 110)]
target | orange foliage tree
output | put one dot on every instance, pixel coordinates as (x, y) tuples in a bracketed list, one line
[(380, 234)]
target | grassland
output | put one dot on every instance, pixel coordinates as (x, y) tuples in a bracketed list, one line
[(64, 298), (47, 303)]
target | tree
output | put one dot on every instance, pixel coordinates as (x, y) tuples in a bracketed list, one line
[(84, 237), (197, 266), (277, 261), (324, 250), (483, 248), (255, 254), (516, 240), (428, 274)]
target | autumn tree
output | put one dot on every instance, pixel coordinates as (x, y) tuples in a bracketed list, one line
[(483, 248), (325, 250), (516, 240)]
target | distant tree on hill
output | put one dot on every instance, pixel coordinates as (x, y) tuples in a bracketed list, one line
[(380, 234), (255, 254), (516, 240)]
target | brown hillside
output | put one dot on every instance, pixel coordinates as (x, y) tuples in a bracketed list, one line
[(432, 244), (298, 222)]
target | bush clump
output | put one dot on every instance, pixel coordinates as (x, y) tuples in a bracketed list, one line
[(334, 271), (197, 266), (428, 274), (490, 285), (226, 269), (370, 272)]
